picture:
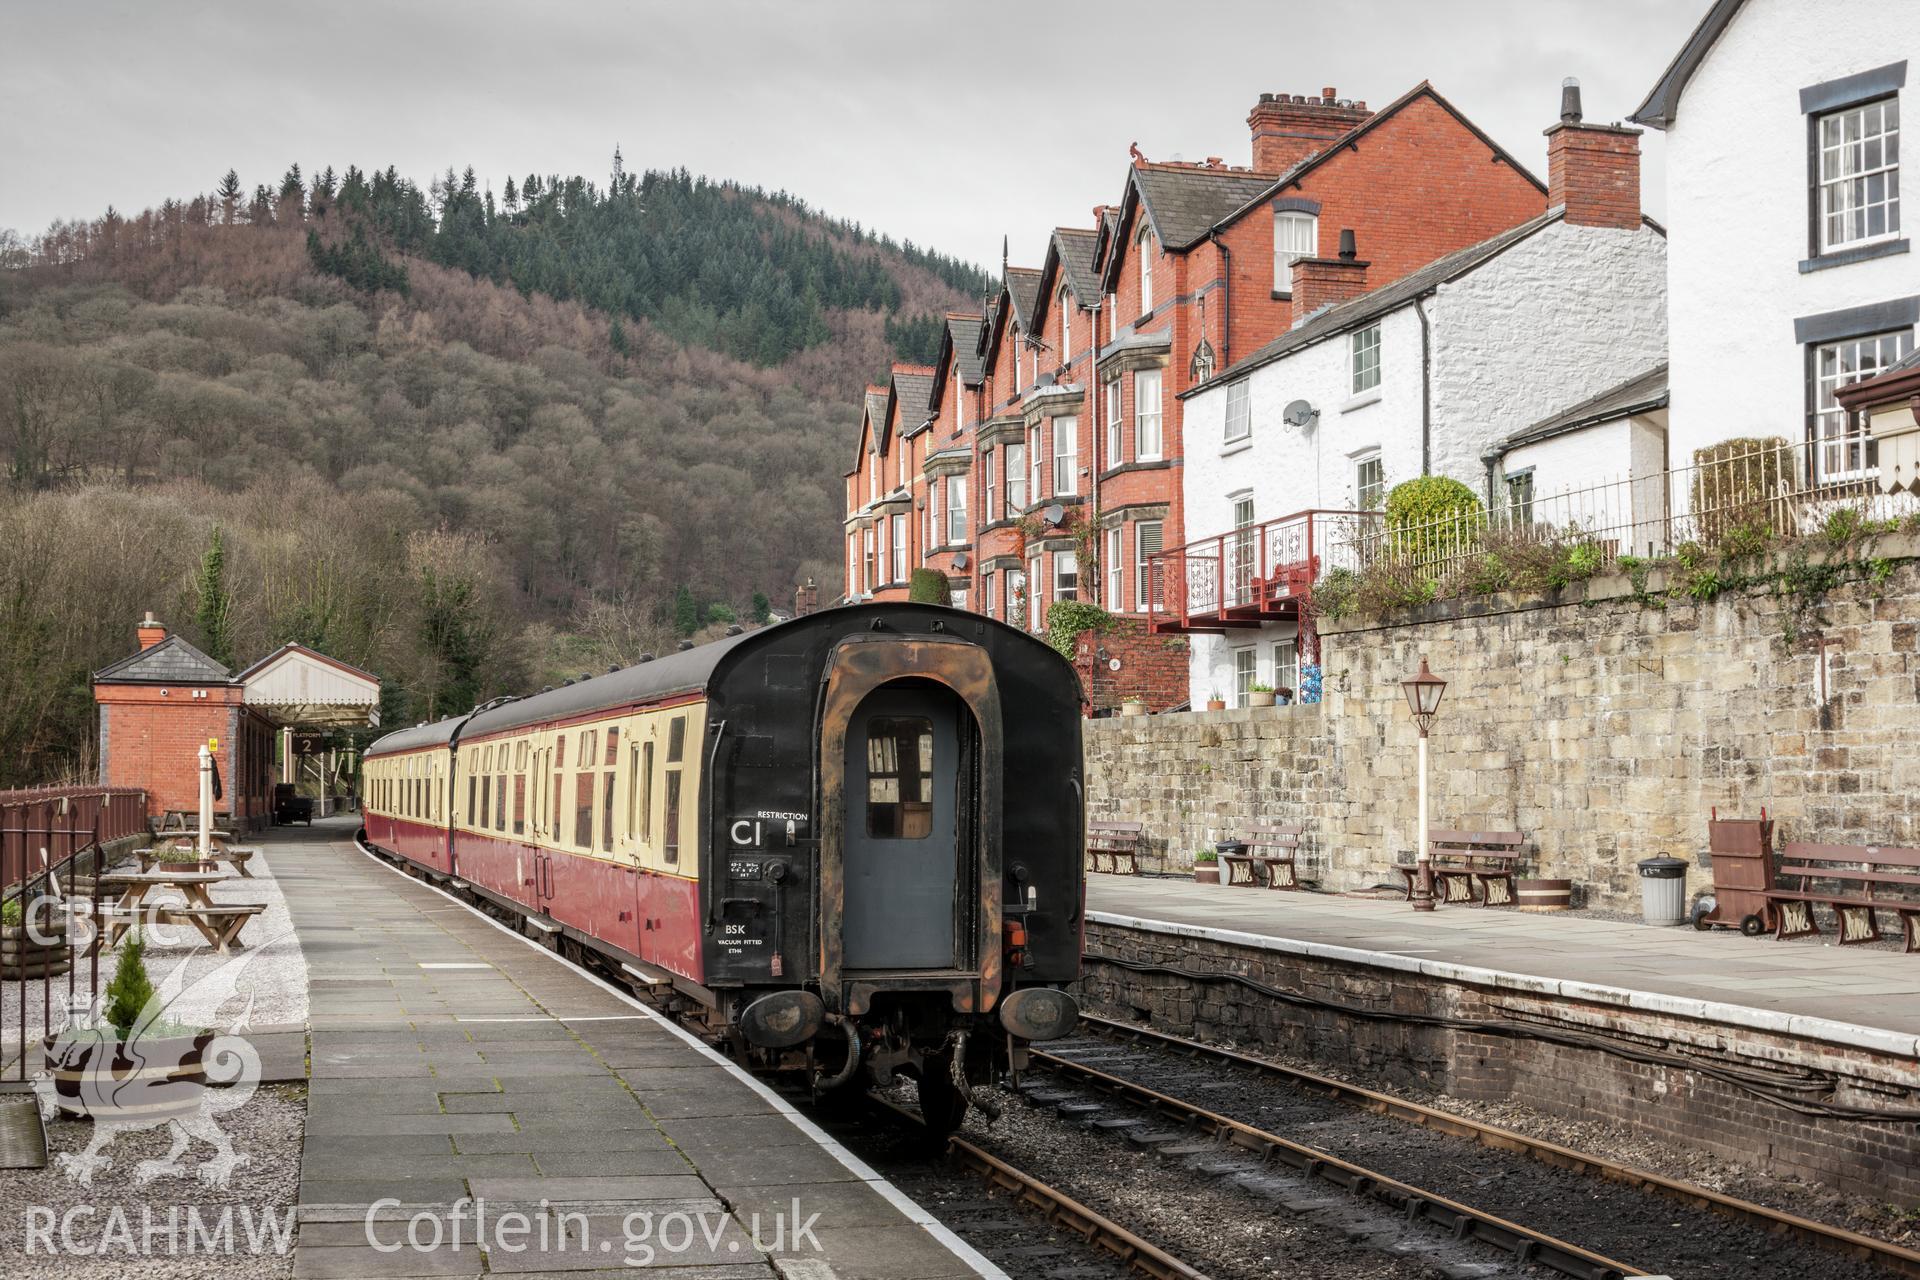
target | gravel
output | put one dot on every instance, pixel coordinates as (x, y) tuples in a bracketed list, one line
[(1647, 1230)]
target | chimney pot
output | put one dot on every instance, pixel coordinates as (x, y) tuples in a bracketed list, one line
[(1348, 250), (1327, 93), (1570, 112), (150, 631)]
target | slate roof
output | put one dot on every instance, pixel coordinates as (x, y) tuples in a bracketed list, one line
[(1662, 106), (1074, 248), (964, 332), (1637, 394), (1184, 203), (172, 661), (1023, 286), (1390, 297), (912, 388), (876, 405)]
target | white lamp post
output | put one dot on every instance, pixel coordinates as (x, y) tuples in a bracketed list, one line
[(1423, 697), (206, 798)]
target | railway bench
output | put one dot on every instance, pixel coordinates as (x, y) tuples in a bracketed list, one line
[(1114, 842), (1462, 857), (1269, 859), (1861, 874)]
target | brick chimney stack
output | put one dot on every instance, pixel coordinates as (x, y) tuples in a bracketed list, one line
[(1289, 128), (1318, 282), (150, 631), (806, 599), (1593, 169)]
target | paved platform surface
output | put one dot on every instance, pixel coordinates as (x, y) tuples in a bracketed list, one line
[(451, 1060), (1860, 996)]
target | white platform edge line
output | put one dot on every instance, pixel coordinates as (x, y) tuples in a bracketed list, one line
[(854, 1164), (1848, 1034)]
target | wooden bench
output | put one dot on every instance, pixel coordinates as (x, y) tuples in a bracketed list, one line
[(219, 924), (236, 856), (1269, 859), (1114, 841), (1857, 899), (1461, 857)]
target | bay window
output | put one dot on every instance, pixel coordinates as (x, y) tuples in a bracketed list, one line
[(1116, 428), (1016, 478), (1147, 442), (957, 530), (1116, 570), (1066, 454), (989, 493), (1066, 575), (1147, 536)]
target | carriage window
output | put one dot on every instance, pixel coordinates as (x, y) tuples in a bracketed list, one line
[(583, 810), (472, 784), (520, 756), (500, 798), (613, 745), (900, 777), (676, 739), (672, 839), (519, 802), (486, 800), (606, 813), (645, 784)]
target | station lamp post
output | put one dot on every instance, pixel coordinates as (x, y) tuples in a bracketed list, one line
[(1423, 697)]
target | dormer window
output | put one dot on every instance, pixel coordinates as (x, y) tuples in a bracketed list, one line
[(1145, 247), (1296, 235)]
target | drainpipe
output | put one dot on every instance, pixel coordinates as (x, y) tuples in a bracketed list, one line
[(1426, 388), (1226, 298), (1491, 461), (1095, 402)]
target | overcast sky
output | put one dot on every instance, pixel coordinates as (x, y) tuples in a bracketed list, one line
[(947, 124)]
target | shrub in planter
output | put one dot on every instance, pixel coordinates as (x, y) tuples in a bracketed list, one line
[(137, 1064), (1260, 695), (929, 586), (1206, 867)]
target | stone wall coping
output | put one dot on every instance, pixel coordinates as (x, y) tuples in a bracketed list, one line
[(1609, 586), (1847, 1034)]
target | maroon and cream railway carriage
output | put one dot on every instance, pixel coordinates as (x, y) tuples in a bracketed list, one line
[(853, 841)]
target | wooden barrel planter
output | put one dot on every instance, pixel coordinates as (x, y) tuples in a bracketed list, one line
[(148, 1079), (22, 956), (1543, 895)]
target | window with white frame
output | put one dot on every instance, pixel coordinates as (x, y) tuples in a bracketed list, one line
[(1066, 454), (1246, 673), (956, 510), (1016, 478), (1369, 483), (1116, 428), (953, 389), (1146, 544), (873, 475), (900, 451), (1286, 664), (1066, 575), (1365, 352), (1116, 570), (1035, 583), (1242, 549), (853, 564), (1013, 354), (1113, 315), (1065, 302), (1296, 235), (1146, 415), (1859, 174), (1036, 458), (1144, 247), (867, 578), (1845, 448), (899, 548), (986, 593), (989, 492), (927, 521), (885, 574), (1239, 410)]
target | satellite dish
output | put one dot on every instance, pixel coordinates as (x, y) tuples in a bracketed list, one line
[(960, 561), (1300, 414), (1055, 513)]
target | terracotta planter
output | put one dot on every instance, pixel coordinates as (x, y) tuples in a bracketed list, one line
[(1543, 895), (151, 1078), (1215, 704), (1258, 699), (1206, 873)]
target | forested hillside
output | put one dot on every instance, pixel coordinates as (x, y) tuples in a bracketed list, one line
[(472, 443)]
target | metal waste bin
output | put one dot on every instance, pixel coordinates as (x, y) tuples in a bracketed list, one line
[(1663, 890)]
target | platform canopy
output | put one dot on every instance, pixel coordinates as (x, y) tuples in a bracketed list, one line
[(298, 687)]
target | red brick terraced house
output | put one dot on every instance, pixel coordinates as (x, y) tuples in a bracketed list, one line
[(1069, 413)]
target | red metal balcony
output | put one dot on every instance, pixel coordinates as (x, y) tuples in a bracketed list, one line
[(1262, 573)]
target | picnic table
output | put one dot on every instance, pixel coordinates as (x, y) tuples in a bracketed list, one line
[(219, 923), (237, 856)]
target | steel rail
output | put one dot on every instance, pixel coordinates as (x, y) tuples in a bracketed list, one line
[(1464, 1222), (1058, 1208), (1883, 1253)]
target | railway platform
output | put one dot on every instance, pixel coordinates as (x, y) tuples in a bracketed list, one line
[(472, 1088), (1856, 996)]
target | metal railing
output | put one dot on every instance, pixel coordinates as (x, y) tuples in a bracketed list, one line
[(1254, 569), (1738, 498), (43, 827)]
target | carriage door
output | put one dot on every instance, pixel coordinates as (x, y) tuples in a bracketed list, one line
[(902, 863)]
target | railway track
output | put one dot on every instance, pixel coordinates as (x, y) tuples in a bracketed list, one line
[(1113, 1076)]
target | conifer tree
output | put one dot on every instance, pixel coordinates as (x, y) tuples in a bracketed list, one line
[(213, 606), (229, 194)]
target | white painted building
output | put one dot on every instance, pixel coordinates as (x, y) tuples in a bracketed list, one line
[(1790, 270), (1444, 371)]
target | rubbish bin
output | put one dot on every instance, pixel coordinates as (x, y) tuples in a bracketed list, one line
[(1663, 890)]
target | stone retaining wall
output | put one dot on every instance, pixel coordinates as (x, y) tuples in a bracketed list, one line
[(1604, 727)]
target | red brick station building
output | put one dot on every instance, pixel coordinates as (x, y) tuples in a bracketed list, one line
[(158, 705)]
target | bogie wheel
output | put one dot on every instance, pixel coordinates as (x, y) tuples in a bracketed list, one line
[(1753, 926)]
